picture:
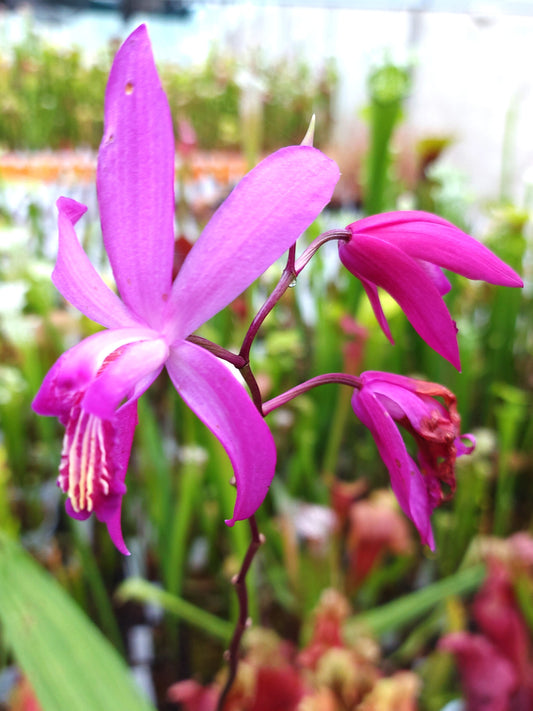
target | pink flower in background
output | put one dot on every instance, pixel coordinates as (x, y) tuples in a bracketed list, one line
[(376, 526), (385, 401), (93, 388), (496, 664), (404, 253), (488, 677)]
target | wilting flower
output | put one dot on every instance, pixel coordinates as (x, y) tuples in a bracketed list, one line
[(385, 401), (404, 253), (93, 388)]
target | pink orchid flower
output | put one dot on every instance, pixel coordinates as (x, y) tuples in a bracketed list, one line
[(386, 400), (404, 253), (93, 388)]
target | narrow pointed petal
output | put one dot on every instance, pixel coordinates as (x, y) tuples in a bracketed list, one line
[(76, 278), (431, 238), (135, 180), (263, 216), (406, 480), (403, 278), (128, 373), (77, 367), (375, 302), (223, 405)]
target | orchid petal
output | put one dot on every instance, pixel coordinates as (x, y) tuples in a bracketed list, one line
[(389, 267), (223, 405), (431, 238), (263, 216), (131, 371), (463, 448), (412, 405), (397, 218), (77, 367), (373, 296), (135, 180), (437, 277), (76, 278), (407, 482)]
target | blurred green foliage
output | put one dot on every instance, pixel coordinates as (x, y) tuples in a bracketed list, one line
[(52, 99)]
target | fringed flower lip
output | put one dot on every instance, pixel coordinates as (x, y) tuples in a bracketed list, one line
[(404, 254), (93, 388)]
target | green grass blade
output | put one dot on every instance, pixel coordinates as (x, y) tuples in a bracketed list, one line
[(143, 591), (69, 664), (409, 608)]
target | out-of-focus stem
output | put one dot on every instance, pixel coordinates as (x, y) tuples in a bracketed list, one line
[(239, 581)]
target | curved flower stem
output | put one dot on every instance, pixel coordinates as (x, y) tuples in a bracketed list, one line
[(217, 350), (239, 581), (309, 253), (292, 269), (352, 381)]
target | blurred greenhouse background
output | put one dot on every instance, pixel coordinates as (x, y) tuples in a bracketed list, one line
[(424, 105)]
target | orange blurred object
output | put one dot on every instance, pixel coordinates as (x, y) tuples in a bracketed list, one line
[(226, 168)]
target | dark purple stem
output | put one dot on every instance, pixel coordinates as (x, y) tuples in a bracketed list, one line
[(239, 581), (291, 271), (236, 360), (352, 381)]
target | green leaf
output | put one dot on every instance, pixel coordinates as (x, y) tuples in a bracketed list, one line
[(69, 664), (143, 591), (407, 609)]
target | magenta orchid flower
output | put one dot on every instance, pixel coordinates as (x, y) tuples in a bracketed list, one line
[(384, 401), (93, 388), (404, 253)]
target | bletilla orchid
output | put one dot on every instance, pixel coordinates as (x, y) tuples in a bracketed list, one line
[(93, 388), (404, 253), (384, 401)]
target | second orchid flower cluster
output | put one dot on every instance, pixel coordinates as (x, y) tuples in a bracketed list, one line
[(94, 387)]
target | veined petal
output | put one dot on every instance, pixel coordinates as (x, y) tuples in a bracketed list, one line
[(77, 367), (135, 180), (429, 237), (76, 278), (263, 216), (391, 268), (223, 405), (127, 373), (93, 466), (407, 482)]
